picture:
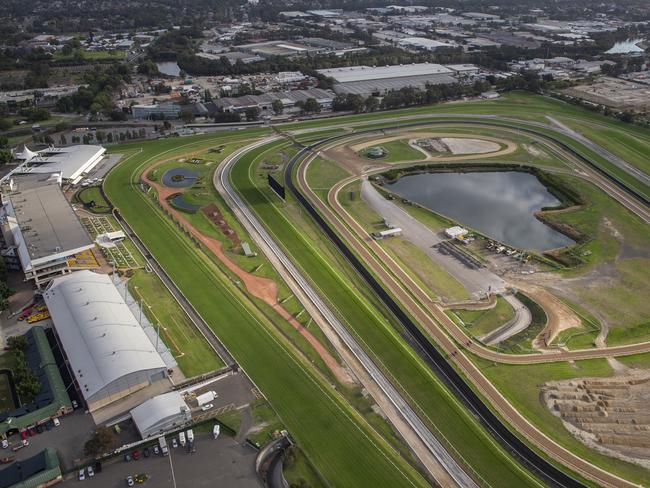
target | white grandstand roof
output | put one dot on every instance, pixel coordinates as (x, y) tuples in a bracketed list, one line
[(100, 335), (70, 161), (367, 73)]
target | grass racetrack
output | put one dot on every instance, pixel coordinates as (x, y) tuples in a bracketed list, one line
[(339, 444)]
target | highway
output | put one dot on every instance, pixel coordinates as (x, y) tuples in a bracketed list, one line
[(455, 471)]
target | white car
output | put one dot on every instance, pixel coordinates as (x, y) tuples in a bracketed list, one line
[(207, 407), (5, 443), (56, 421), (174, 443), (82, 474), (91, 472)]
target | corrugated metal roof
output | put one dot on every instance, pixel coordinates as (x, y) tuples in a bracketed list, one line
[(159, 408), (100, 335), (367, 73)]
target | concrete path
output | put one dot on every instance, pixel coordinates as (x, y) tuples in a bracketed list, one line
[(477, 281)]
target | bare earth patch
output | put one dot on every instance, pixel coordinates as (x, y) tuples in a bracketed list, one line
[(461, 145), (609, 415)]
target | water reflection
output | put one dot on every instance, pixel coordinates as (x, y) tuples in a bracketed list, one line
[(500, 204)]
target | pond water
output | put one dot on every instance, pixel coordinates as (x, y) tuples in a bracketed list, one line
[(169, 68), (499, 204), (179, 202), (179, 178), (625, 47)]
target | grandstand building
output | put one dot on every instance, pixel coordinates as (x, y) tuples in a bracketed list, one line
[(108, 352), (41, 228), (71, 162)]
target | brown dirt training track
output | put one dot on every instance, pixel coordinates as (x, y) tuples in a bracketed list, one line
[(263, 288)]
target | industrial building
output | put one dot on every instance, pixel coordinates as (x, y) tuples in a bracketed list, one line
[(423, 43), (264, 102), (161, 414), (156, 111), (70, 162), (108, 352), (366, 80), (42, 229)]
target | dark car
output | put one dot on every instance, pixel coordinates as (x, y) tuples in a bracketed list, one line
[(39, 428), (136, 455), (32, 432), (127, 457), (145, 452)]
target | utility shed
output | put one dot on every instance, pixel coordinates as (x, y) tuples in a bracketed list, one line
[(161, 414), (109, 353)]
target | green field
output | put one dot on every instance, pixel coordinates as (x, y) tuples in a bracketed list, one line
[(396, 152), (93, 200), (520, 384), (192, 352), (481, 322), (301, 241), (338, 442)]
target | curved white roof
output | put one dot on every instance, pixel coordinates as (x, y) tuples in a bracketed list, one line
[(27, 154), (102, 339), (158, 409)]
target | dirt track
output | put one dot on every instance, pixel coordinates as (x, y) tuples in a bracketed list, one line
[(263, 288)]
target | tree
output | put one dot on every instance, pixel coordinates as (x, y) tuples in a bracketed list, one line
[(371, 104), (17, 343), (100, 442), (311, 106), (100, 136), (277, 106), (252, 113), (109, 137), (5, 156)]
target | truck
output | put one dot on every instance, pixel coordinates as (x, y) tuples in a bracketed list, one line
[(181, 438), (206, 397), (190, 435), (216, 430), (163, 445)]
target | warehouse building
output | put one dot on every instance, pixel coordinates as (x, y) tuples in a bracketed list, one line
[(423, 43), (42, 229), (108, 351), (70, 162), (377, 81), (264, 102), (161, 414)]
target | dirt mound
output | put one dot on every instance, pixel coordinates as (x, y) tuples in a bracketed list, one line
[(607, 414), (213, 213)]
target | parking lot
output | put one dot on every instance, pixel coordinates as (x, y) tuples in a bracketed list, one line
[(221, 462)]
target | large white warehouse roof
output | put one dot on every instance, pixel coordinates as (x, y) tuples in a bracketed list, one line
[(366, 73), (161, 413), (102, 338), (70, 161)]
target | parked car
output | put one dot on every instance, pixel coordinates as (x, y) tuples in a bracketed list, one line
[(136, 455), (56, 422), (129, 480), (82, 474), (23, 435), (174, 442), (156, 450), (32, 432), (91, 472), (127, 457), (75, 405), (207, 407), (39, 428), (5, 443), (145, 452)]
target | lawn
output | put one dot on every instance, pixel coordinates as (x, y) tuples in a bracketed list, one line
[(338, 442), (303, 243), (397, 152), (481, 322), (192, 352), (93, 200), (323, 174)]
